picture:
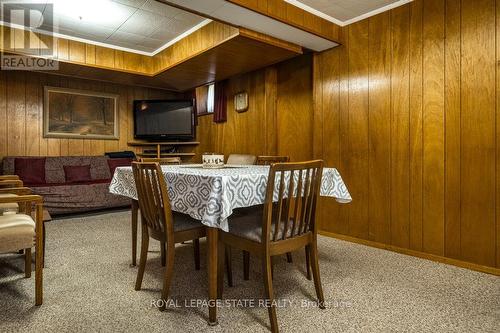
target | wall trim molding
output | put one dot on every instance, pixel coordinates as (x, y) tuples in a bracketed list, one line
[(414, 253)]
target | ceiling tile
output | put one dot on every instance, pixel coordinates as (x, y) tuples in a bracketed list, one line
[(143, 23), (161, 9), (131, 3), (345, 10)]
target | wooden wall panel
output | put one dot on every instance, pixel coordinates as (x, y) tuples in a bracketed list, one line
[(358, 128), (433, 124), (478, 132), (379, 133), (21, 115), (400, 127), (452, 129), (433, 127), (416, 125), (294, 109)]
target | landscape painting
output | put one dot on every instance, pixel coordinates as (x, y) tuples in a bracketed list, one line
[(72, 113)]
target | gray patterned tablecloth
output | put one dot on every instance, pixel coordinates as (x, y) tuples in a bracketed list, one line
[(210, 195)]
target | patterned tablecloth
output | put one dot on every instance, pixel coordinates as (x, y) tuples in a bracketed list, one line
[(210, 195)]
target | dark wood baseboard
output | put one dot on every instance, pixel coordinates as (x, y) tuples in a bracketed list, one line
[(433, 257)]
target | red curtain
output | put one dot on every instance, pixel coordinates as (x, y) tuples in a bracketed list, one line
[(220, 102)]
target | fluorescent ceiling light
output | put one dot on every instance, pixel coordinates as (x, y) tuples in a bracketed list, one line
[(98, 12)]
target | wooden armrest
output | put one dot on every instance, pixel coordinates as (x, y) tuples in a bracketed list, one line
[(23, 198), (16, 190), (11, 183), (9, 177)]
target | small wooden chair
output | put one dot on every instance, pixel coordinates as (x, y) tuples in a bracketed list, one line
[(268, 160), (241, 159), (13, 207), (162, 161), (22, 232), (160, 223), (281, 226)]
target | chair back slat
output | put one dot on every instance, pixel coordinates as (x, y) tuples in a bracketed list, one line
[(268, 160), (280, 204), (152, 195), (291, 198)]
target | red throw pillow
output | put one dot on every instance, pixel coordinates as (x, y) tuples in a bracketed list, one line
[(30, 170), (118, 162), (77, 173)]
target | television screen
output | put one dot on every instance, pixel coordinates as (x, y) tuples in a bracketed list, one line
[(164, 120)]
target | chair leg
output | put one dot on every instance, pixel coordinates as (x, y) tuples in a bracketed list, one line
[(229, 265), (143, 257), (135, 213), (308, 262), (246, 265), (196, 246), (289, 257), (221, 249), (169, 271), (315, 270), (268, 284), (43, 245), (27, 263), (162, 254)]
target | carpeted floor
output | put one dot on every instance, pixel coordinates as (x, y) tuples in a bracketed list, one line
[(89, 288)]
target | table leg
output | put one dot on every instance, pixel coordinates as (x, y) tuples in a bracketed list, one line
[(212, 239), (135, 209)]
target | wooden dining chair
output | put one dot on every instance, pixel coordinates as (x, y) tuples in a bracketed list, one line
[(268, 160), (160, 223), (135, 207), (162, 161), (285, 223), (241, 159), (23, 232)]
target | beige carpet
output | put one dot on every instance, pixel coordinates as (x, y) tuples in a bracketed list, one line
[(89, 288)]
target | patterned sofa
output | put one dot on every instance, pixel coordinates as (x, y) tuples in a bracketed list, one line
[(69, 184)]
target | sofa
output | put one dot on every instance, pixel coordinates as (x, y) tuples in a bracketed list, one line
[(69, 184)]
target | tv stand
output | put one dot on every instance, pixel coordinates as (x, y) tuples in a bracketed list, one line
[(161, 146)]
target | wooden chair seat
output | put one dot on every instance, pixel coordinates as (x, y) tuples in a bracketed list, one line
[(248, 224)]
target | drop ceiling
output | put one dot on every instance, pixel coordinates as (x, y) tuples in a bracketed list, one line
[(140, 26), (344, 12)]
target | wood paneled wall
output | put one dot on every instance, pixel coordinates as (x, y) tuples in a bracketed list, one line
[(279, 119), (407, 111), (21, 107)]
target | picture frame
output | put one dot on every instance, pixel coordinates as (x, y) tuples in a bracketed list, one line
[(241, 101), (80, 114)]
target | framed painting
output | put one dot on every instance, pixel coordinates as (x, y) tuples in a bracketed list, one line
[(73, 113)]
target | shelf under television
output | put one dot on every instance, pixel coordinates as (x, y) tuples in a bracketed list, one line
[(164, 143), (165, 154)]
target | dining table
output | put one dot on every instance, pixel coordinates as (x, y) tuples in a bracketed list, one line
[(210, 196)]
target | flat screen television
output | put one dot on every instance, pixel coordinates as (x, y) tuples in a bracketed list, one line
[(160, 120)]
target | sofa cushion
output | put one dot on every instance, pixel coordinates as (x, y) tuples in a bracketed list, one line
[(118, 162), (30, 170), (77, 173), (55, 167), (17, 232)]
